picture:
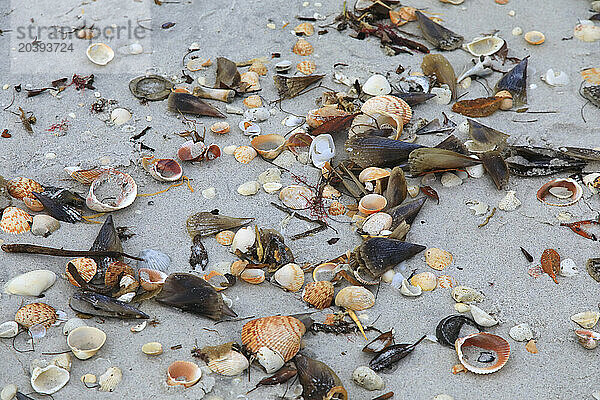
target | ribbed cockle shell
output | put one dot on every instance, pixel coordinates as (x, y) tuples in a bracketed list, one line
[(281, 334)]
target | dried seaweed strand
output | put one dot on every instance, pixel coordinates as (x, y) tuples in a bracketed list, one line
[(487, 219), (322, 225), (51, 251)]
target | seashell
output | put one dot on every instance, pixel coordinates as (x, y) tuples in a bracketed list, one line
[(268, 146), (283, 66), (231, 364), (465, 294), (355, 298), (515, 81), (318, 380), (534, 37), (49, 380), (438, 66), (85, 341), (481, 317), (454, 2), (397, 110), (154, 259), (413, 190), (438, 259), (367, 378), (484, 45), (116, 190), (318, 116), (290, 277), (566, 189), (449, 179), (31, 283), (191, 151), (376, 223), (36, 313), (258, 67), (100, 53), (302, 48), (296, 197), (462, 307), (445, 281), (531, 347), (162, 169), (377, 85), (33, 204), (15, 221), (186, 103), (152, 348), (44, 225), (507, 101), (253, 101), (9, 329), (306, 67), (568, 268), (409, 290), (20, 187), (521, 333), (183, 373), (378, 255), (151, 87), (318, 294), (225, 238), (305, 28), (552, 78), (482, 341), (152, 279), (248, 188), (119, 116), (397, 188), (372, 203), (220, 128), (325, 271), (272, 187), (269, 359), (8, 392), (337, 208), (371, 174), (509, 202), (86, 267), (109, 380), (249, 128), (237, 267), (139, 327), (586, 319), (63, 361), (550, 263), (588, 339), (425, 280), (251, 79), (322, 149), (254, 276), (436, 34), (197, 64), (586, 32), (204, 92), (243, 240), (88, 379), (279, 334), (72, 324), (449, 329), (481, 68), (244, 154)]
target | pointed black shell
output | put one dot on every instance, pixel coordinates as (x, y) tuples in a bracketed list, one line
[(380, 254)]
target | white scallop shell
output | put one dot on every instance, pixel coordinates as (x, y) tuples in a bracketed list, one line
[(109, 380), (244, 239), (100, 53), (31, 283), (49, 380), (377, 85), (232, 364), (290, 276)]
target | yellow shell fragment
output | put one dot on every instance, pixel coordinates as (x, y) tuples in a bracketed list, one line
[(534, 37)]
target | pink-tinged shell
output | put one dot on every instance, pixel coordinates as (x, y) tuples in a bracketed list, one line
[(392, 105), (587, 338), (487, 342), (307, 67), (33, 204), (162, 169), (570, 184), (355, 298), (319, 116), (86, 267), (253, 101), (85, 176), (446, 281), (281, 334), (290, 277), (318, 294), (296, 197), (372, 203), (23, 187), (15, 221), (151, 279), (251, 79), (36, 313), (121, 182), (220, 127), (438, 259), (302, 48), (183, 373), (190, 151), (337, 208), (253, 275), (225, 238), (244, 154)]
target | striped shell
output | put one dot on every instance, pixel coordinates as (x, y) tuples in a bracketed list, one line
[(392, 105), (485, 342), (114, 270), (282, 334), (220, 127), (302, 48), (253, 275), (290, 277), (151, 279), (306, 28), (591, 75), (118, 181), (307, 67), (296, 197), (438, 259), (319, 116), (86, 267), (15, 221), (336, 208), (425, 280), (225, 238), (244, 154), (36, 313), (85, 176), (318, 294), (446, 281), (232, 364), (253, 101), (109, 380), (355, 298), (23, 187)]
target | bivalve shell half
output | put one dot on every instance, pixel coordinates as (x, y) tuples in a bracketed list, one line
[(253, 101), (279, 334), (355, 298), (162, 169), (290, 277), (152, 348), (318, 116), (258, 67), (85, 341), (85, 176), (31, 283), (425, 280), (254, 276), (268, 146), (225, 238), (44, 225), (109, 380), (305, 28), (86, 267), (111, 191), (446, 281), (318, 294), (586, 32), (588, 339), (152, 279), (469, 347), (15, 221), (244, 154), (231, 364), (376, 223), (438, 259), (372, 203), (398, 109), (49, 380), (21, 187), (465, 294), (534, 37), (325, 271), (243, 239), (36, 313), (565, 191), (302, 48), (296, 197), (251, 79), (9, 329), (306, 67), (586, 319), (220, 127), (377, 85), (33, 204), (337, 208), (484, 45), (100, 53)]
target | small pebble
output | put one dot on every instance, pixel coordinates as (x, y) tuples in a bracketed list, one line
[(271, 25), (517, 31), (89, 378), (6, 86), (367, 378), (50, 156), (209, 193), (512, 13)]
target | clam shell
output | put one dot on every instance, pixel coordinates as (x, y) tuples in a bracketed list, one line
[(100, 53), (72, 324), (88, 378), (283, 66), (44, 225), (109, 380), (484, 45), (86, 267), (243, 239), (372, 203), (586, 32), (251, 79), (249, 188), (296, 197), (225, 238), (31, 283), (85, 341), (406, 288), (465, 294), (15, 221), (21, 187), (36, 313), (398, 110), (534, 37), (249, 128), (290, 277), (325, 271), (302, 48), (254, 276), (119, 116), (9, 329), (151, 279), (269, 146), (450, 179), (377, 85), (220, 127), (237, 267), (481, 317), (586, 319), (162, 169), (244, 154), (318, 116), (572, 192), (280, 334), (355, 298), (438, 259), (258, 67), (367, 378), (373, 174), (119, 188), (231, 364), (321, 150), (253, 101), (305, 28), (306, 67), (318, 294), (425, 280), (49, 380), (152, 348), (183, 373), (376, 223), (484, 341), (337, 208), (521, 333), (588, 339)]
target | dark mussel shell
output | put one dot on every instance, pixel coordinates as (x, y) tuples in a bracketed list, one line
[(374, 151), (437, 65), (189, 104), (425, 160), (593, 268), (414, 98), (448, 329), (380, 343), (486, 138), (317, 379), (193, 294), (380, 8), (199, 256), (228, 76), (581, 153), (378, 255), (406, 212), (392, 354), (453, 144), (397, 188), (97, 304), (151, 88), (58, 210), (64, 196), (592, 94), (206, 223), (274, 250), (515, 81), (539, 161), (107, 239), (496, 167), (442, 38), (288, 87)]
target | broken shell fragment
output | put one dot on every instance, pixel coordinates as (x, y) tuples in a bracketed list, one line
[(436, 34), (355, 298), (586, 319), (484, 45), (151, 279), (220, 128), (510, 202), (438, 259), (481, 317), (318, 294), (290, 277), (9, 329), (407, 289), (558, 78), (507, 101), (111, 191), (72, 324), (109, 380), (305, 28), (586, 32), (204, 92), (318, 116), (152, 348), (565, 189), (251, 80), (15, 221), (100, 53), (86, 267), (253, 101), (243, 239), (32, 283), (377, 85), (337, 208), (521, 333), (183, 373), (49, 380), (470, 346), (465, 294), (534, 37), (322, 149), (85, 341), (306, 67), (258, 67)]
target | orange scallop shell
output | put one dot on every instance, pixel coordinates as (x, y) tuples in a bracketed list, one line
[(23, 187), (485, 341), (36, 313), (281, 334), (551, 263), (388, 104), (258, 67), (253, 101), (225, 238), (318, 294), (307, 67), (244, 154), (302, 48), (85, 176), (306, 28), (114, 270), (254, 276), (591, 75), (86, 267), (15, 221)]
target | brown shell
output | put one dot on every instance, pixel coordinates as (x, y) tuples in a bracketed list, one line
[(86, 267), (302, 48), (307, 67), (319, 116), (318, 294), (337, 208), (36, 313), (482, 107), (551, 263), (33, 204), (258, 67), (23, 187), (115, 270), (281, 334), (85, 176)]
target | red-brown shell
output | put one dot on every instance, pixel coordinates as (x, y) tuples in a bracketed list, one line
[(302, 48), (86, 267), (484, 341), (551, 263), (36, 313), (23, 187), (114, 270), (281, 334), (16, 221)]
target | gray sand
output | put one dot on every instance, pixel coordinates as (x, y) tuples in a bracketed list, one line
[(485, 258)]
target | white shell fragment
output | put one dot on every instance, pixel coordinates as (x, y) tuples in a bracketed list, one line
[(259, 114), (443, 95), (521, 333), (49, 380), (376, 223), (44, 225), (152, 348), (72, 324), (465, 294), (100, 53), (31, 283), (586, 319), (243, 239), (109, 380), (478, 207), (449, 179), (568, 268), (8, 392), (367, 378), (322, 149), (269, 359), (509, 202), (484, 45), (559, 78), (272, 187), (586, 32), (248, 188), (475, 171), (9, 329), (377, 85), (481, 317)]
